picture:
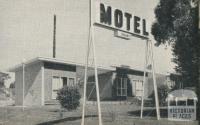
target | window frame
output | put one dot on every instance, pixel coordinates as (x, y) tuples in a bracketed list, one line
[(122, 86), (74, 78), (137, 90), (61, 80)]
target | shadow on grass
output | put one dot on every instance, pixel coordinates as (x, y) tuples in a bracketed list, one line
[(149, 113), (54, 110), (64, 120)]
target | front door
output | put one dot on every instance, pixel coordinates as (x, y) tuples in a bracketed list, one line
[(56, 85)]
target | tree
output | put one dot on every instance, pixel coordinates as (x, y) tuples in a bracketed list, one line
[(177, 24), (69, 97)]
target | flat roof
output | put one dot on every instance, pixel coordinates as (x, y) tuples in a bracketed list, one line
[(60, 61), (53, 60), (3, 74)]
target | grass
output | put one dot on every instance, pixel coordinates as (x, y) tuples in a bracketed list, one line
[(125, 114)]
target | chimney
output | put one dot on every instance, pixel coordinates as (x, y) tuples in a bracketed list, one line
[(54, 36)]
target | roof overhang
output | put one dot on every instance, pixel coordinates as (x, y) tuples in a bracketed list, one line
[(2, 74), (53, 60)]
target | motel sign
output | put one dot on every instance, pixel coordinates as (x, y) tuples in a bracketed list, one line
[(117, 19)]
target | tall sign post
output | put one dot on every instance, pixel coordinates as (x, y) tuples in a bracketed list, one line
[(23, 83), (125, 25), (154, 82), (91, 43), (144, 78), (149, 60)]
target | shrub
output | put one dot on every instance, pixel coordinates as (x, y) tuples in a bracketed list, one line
[(69, 97), (163, 91)]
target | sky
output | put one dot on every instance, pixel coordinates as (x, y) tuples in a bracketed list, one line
[(26, 32)]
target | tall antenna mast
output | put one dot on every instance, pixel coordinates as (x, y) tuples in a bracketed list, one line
[(54, 36)]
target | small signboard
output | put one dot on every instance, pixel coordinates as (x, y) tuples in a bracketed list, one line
[(182, 105), (182, 113), (122, 35)]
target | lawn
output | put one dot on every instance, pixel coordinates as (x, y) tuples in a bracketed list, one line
[(117, 114)]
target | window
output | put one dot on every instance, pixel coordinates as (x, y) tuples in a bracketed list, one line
[(71, 82), (170, 83), (138, 85), (59, 82), (56, 85), (64, 80), (190, 102), (122, 87), (172, 103), (181, 103)]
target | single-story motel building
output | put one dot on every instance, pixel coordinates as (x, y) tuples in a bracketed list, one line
[(43, 77), (121, 29)]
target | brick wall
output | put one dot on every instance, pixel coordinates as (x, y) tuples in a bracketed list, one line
[(18, 87), (105, 86), (32, 91), (52, 70)]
